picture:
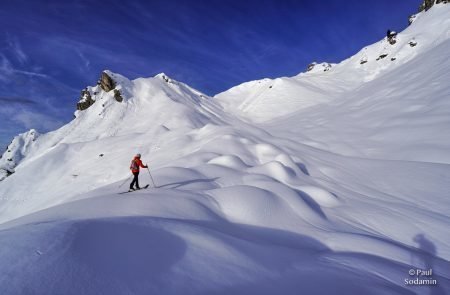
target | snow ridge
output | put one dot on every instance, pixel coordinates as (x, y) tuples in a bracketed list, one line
[(267, 99), (16, 151)]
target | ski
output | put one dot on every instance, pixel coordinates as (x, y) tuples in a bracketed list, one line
[(144, 187)]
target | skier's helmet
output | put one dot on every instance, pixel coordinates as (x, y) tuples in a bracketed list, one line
[(138, 155)]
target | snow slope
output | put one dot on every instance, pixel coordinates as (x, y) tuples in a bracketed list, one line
[(267, 99), (331, 182), (15, 152)]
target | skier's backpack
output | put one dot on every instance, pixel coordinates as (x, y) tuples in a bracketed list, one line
[(134, 165)]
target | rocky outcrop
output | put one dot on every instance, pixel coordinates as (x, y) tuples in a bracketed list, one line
[(106, 82), (85, 100), (391, 37), (383, 55), (311, 66), (315, 67), (412, 43), (165, 78), (91, 94), (412, 18), (427, 4), (364, 59), (117, 96)]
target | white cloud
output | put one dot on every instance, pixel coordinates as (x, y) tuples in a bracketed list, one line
[(86, 61), (16, 49), (7, 70), (28, 73), (39, 121)]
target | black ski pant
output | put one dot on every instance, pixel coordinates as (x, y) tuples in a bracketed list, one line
[(135, 180)]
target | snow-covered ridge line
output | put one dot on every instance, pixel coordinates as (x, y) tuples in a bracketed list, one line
[(16, 151), (267, 99), (118, 106)]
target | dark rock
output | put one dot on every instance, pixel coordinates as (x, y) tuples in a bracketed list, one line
[(270, 86), (427, 4), (326, 66), (165, 78), (363, 59), (5, 172), (85, 100), (101, 155), (311, 66), (412, 18), (106, 82), (394, 58), (382, 56), (412, 43), (391, 37), (117, 95)]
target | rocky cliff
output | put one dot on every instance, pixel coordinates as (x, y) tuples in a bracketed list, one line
[(427, 4), (89, 95)]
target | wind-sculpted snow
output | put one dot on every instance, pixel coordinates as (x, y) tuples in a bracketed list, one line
[(244, 222), (16, 151), (335, 183)]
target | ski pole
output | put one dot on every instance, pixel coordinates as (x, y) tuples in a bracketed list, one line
[(124, 182), (151, 177)]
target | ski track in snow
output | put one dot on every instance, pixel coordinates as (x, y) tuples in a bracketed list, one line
[(330, 182)]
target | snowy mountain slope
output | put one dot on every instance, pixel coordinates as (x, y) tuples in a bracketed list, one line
[(15, 152), (343, 197), (219, 224), (267, 99), (80, 152), (402, 115)]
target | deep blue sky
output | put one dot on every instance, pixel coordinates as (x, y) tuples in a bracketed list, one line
[(50, 50)]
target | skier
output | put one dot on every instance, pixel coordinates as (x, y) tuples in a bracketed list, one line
[(134, 167)]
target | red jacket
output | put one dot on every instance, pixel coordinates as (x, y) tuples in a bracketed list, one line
[(137, 163)]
